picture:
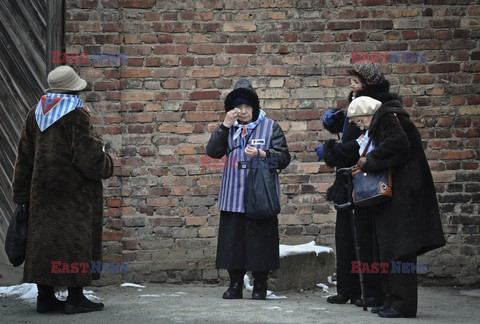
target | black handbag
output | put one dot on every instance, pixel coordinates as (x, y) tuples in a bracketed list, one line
[(371, 188), (261, 199), (16, 240)]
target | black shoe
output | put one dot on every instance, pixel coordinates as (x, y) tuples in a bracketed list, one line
[(392, 313), (80, 304), (376, 309), (259, 290), (49, 305), (340, 299), (369, 302), (234, 291)]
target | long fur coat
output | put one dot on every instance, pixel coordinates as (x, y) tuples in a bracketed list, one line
[(58, 173)]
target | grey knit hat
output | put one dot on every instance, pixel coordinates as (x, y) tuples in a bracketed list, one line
[(370, 72)]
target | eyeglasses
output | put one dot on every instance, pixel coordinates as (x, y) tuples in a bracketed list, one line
[(358, 120)]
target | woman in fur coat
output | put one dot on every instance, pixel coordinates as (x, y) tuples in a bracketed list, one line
[(366, 79), (409, 224), (58, 173)]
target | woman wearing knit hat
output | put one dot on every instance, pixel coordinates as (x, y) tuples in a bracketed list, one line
[(366, 79), (246, 243), (58, 172), (409, 224)]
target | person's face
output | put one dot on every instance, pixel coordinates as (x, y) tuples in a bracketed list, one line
[(363, 122), (355, 84), (246, 114)]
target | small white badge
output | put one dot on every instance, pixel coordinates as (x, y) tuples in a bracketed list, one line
[(259, 141)]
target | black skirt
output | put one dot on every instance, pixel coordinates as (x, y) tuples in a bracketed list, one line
[(247, 244)]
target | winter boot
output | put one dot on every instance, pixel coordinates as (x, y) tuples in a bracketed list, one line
[(235, 290), (46, 300), (260, 285), (78, 303)]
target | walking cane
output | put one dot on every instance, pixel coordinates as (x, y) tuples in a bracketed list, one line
[(349, 205), (357, 254)]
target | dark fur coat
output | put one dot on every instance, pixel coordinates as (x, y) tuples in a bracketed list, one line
[(410, 222), (58, 173)]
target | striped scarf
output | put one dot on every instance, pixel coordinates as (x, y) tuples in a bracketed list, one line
[(53, 106)]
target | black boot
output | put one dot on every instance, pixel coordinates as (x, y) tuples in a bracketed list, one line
[(46, 300), (78, 303), (260, 285), (235, 290)]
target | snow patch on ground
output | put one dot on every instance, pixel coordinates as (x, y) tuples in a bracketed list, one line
[(249, 287), (323, 286), (331, 281), (29, 291), (26, 291), (132, 285), (176, 294), (303, 248)]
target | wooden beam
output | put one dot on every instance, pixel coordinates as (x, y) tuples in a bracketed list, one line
[(55, 31)]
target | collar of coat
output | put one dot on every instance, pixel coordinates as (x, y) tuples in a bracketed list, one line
[(390, 107)]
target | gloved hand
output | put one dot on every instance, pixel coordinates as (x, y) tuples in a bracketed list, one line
[(320, 152)]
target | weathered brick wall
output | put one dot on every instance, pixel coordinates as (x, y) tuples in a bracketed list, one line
[(184, 56)]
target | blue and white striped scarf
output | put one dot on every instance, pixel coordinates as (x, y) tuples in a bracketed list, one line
[(53, 106)]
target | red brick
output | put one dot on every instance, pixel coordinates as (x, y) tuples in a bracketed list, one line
[(170, 49), (240, 49), (112, 236), (145, 4), (114, 202), (444, 68), (202, 95)]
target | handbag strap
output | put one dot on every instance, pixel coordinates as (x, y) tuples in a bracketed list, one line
[(370, 138)]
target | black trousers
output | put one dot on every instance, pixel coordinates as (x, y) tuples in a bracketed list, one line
[(247, 244), (348, 283), (401, 288)]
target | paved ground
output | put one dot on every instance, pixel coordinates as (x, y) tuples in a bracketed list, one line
[(159, 303)]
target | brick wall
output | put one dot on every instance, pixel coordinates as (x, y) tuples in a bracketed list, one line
[(159, 109)]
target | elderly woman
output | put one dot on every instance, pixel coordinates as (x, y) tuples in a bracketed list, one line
[(58, 172), (246, 243), (409, 224)]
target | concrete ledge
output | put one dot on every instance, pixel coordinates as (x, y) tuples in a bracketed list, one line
[(303, 269), (10, 276)]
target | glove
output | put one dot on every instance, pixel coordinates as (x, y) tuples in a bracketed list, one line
[(333, 120), (320, 152)]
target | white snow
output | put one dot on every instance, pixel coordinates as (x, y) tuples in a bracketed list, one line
[(29, 291), (330, 281), (132, 285), (24, 291), (249, 287), (303, 248), (323, 286)]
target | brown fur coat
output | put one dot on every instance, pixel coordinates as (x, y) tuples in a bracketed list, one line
[(58, 173)]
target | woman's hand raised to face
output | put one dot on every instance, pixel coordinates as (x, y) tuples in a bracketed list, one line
[(231, 117)]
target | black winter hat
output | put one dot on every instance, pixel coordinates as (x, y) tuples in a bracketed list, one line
[(243, 89)]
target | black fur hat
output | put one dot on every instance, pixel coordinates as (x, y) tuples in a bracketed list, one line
[(243, 89)]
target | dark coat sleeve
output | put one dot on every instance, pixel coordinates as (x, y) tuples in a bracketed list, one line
[(22, 175), (393, 146), (218, 143), (278, 148), (341, 155), (87, 147)]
